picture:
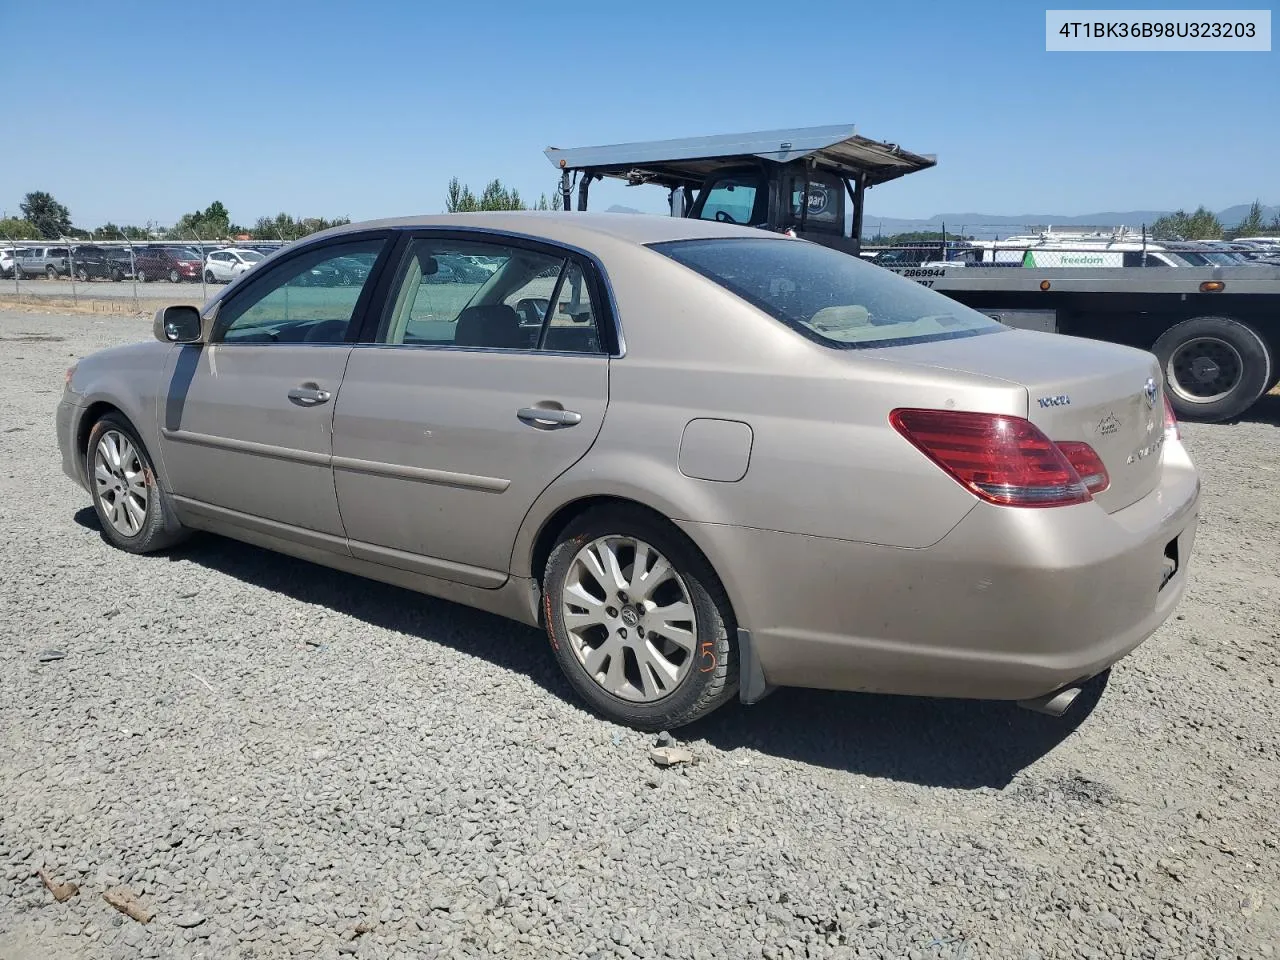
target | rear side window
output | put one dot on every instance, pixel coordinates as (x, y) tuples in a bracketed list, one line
[(829, 296)]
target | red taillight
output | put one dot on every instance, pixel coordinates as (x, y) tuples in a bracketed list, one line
[(1087, 464), (1002, 459), (1171, 431)]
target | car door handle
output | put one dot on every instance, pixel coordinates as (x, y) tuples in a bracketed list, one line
[(308, 396), (549, 415)]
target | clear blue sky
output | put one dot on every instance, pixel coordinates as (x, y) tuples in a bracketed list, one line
[(145, 110)]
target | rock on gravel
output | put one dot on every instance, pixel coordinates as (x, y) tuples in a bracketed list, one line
[(285, 752)]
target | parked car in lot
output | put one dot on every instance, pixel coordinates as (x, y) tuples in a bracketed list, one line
[(174, 264), (711, 460), (92, 262), (6, 263), (49, 261), (223, 266), (122, 259)]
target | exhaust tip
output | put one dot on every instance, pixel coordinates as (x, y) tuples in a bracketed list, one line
[(1055, 704)]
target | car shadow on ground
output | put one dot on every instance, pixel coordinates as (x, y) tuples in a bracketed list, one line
[(944, 743)]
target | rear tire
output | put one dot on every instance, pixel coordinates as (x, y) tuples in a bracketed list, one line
[(142, 276), (51, 273), (133, 510), (685, 680), (175, 276), (1215, 368)]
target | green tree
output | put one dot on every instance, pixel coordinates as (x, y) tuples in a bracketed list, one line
[(284, 227), (1179, 225), (912, 236), (110, 231), (460, 199), (51, 218), (1253, 223), (498, 197), (211, 223), (12, 228)]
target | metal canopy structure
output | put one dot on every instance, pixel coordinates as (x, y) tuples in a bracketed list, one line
[(688, 161)]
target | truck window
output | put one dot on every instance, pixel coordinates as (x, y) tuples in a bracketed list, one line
[(824, 200), (731, 200)]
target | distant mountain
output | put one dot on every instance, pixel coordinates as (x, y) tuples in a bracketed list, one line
[(986, 226), (616, 208)]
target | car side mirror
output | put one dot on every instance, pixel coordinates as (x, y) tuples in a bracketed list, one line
[(178, 324)]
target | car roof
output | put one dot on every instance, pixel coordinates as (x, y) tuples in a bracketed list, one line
[(576, 228)]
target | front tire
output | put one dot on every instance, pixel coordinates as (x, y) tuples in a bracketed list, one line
[(1215, 368), (132, 509), (638, 620)]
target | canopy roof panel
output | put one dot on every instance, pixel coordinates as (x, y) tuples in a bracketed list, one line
[(690, 160)]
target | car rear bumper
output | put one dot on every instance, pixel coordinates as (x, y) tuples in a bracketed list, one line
[(1011, 604)]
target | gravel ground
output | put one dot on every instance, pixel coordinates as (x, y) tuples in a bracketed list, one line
[(280, 761)]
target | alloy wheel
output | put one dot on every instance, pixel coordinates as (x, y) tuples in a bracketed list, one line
[(629, 617), (120, 482)]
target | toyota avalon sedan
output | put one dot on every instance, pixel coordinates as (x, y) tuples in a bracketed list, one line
[(707, 460)]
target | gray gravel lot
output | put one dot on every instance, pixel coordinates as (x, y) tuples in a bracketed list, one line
[(281, 761)]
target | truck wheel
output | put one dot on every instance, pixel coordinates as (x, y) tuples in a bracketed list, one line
[(1216, 368), (51, 273)]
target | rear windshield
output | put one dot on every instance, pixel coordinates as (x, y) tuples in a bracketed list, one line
[(829, 296)]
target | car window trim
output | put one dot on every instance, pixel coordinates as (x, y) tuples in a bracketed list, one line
[(358, 315), (608, 323)]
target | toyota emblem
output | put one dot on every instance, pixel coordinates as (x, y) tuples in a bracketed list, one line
[(1149, 391)]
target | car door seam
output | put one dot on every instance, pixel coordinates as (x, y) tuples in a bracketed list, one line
[(333, 414)]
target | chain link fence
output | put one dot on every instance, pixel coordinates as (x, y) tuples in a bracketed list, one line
[(123, 272)]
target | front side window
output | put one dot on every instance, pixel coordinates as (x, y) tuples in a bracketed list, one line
[(310, 298), (481, 293), (829, 296)]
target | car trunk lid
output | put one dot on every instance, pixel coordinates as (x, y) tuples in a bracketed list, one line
[(1107, 396)]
